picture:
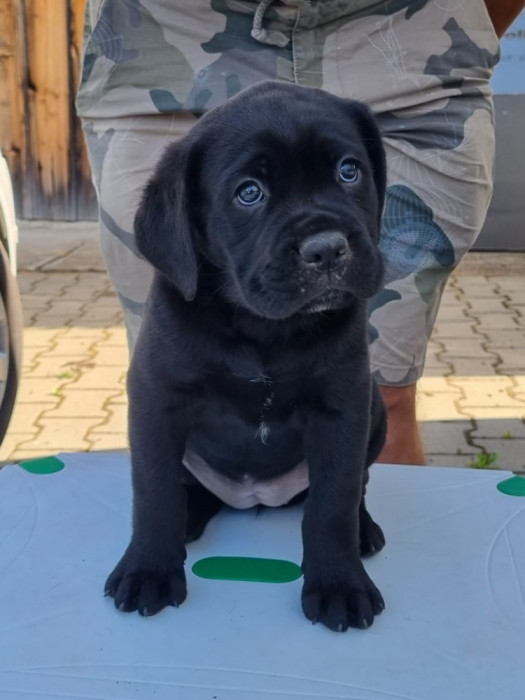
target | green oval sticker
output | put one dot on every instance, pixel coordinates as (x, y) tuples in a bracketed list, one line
[(43, 465), (515, 486), (247, 569)]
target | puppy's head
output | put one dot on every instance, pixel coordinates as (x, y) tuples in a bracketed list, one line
[(280, 191)]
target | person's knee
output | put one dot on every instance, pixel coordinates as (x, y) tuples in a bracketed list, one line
[(399, 398)]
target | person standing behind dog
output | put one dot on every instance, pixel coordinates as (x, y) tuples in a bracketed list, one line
[(151, 67)]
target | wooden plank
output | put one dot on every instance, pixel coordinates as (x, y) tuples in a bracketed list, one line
[(82, 191), (11, 97), (40, 48), (48, 95)]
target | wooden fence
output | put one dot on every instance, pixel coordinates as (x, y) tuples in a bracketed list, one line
[(40, 135)]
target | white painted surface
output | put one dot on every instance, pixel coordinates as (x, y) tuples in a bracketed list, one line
[(452, 574)]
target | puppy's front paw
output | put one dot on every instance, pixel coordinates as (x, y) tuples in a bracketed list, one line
[(341, 601), (137, 586)]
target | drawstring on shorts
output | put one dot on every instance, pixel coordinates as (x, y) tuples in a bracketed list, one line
[(263, 35)]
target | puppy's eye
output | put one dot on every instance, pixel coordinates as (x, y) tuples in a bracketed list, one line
[(249, 193), (349, 170)]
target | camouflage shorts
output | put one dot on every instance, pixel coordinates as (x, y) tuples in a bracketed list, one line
[(422, 65)]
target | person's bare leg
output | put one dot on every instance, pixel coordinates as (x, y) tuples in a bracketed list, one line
[(403, 442)]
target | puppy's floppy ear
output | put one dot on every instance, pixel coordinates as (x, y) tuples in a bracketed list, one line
[(375, 149), (163, 229)]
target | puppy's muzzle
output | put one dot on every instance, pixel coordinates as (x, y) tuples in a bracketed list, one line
[(325, 251)]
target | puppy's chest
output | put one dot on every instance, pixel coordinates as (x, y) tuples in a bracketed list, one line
[(246, 446), (262, 401), (269, 406)]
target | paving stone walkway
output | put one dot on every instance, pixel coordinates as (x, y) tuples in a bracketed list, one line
[(471, 401)]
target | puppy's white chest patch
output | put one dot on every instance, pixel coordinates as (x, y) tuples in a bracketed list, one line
[(263, 432), (248, 493)]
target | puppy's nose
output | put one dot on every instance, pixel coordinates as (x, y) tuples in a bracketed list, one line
[(325, 251)]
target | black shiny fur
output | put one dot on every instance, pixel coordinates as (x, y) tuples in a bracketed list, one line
[(236, 310)]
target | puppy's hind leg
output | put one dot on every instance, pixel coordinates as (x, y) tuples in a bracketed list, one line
[(371, 538), (201, 506), (378, 426)]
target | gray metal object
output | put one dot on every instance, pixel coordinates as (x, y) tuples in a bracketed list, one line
[(505, 225), (11, 317)]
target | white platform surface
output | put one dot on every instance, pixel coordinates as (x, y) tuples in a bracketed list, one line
[(452, 575)]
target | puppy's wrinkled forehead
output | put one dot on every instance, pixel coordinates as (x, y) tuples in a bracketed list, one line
[(281, 125), (297, 145)]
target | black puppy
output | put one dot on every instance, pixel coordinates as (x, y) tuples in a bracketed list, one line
[(250, 377)]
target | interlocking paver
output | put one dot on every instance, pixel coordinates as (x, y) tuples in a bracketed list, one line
[(22, 453), (109, 441), (455, 313), (436, 400), (58, 366), (38, 390), (108, 299), (436, 366), (9, 448), (509, 453), (478, 286), (64, 307), (116, 422), (473, 346), (453, 299), (53, 285), (27, 281), (518, 384), (434, 385), (510, 337), (84, 292), (85, 403), (37, 302), (485, 391), (504, 320), (120, 398), (447, 437), (510, 284), (494, 412), (69, 433), (90, 280), (519, 306), (88, 326), (100, 315), (68, 346), (111, 355), (100, 377), (25, 422), (464, 366), (36, 338), (482, 307), (113, 336), (462, 460), (504, 429), (462, 328)]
